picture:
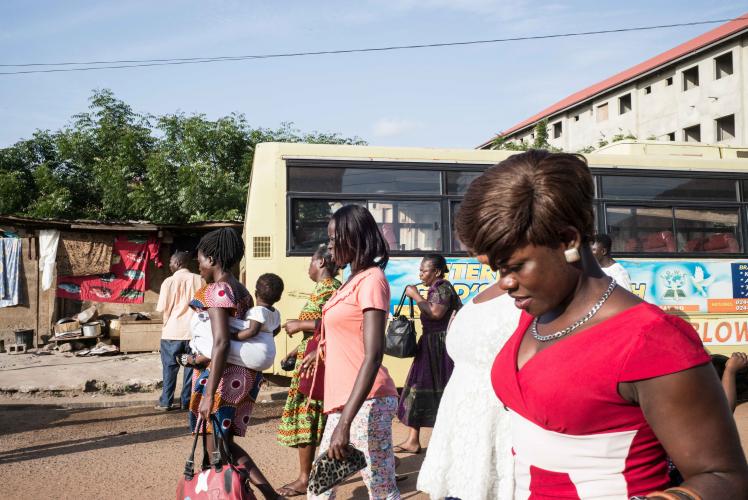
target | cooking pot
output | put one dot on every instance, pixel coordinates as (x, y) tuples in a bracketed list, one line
[(92, 329)]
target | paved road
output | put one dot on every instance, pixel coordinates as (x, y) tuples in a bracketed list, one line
[(47, 451)]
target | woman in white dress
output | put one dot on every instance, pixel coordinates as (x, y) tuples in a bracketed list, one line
[(469, 455)]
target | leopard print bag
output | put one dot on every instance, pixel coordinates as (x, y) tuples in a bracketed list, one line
[(328, 472)]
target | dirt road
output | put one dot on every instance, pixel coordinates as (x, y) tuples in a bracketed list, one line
[(48, 451)]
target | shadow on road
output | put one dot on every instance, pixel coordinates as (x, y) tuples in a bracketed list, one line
[(89, 444)]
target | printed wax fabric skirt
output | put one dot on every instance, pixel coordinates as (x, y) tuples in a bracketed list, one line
[(233, 400), (427, 378), (300, 425)]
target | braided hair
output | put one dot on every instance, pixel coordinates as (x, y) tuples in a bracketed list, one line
[(224, 246)]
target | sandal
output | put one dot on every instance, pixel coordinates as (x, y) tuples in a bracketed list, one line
[(288, 491), (186, 360)]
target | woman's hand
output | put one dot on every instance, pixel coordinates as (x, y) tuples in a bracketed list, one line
[(412, 292), (292, 327), (737, 362), (341, 438), (307, 364), (206, 407)]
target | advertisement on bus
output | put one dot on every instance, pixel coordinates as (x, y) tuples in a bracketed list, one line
[(710, 294)]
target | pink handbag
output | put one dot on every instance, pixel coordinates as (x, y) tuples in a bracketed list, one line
[(216, 481)]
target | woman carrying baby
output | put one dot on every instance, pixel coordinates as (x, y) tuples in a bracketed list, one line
[(224, 389)]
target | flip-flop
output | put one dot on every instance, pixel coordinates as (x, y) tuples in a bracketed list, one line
[(400, 449), (288, 491)]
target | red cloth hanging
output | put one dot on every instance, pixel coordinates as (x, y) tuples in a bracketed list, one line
[(127, 278)]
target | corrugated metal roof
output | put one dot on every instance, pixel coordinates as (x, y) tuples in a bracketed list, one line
[(710, 37)]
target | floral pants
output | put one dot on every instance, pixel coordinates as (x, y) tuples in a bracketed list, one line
[(371, 432)]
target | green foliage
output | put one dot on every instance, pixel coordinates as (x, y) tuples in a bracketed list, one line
[(111, 163), (540, 141)]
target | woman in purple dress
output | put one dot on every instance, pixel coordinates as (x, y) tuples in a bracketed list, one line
[(432, 366)]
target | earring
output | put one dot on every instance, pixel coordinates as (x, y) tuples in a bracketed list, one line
[(572, 255)]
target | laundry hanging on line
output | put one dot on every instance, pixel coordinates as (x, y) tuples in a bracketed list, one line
[(82, 254), (126, 280), (48, 241), (10, 261)]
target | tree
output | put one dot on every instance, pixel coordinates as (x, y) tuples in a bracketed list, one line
[(111, 163)]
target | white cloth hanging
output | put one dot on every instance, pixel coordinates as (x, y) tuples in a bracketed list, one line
[(48, 240)]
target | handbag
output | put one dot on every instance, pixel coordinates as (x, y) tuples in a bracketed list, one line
[(400, 340), (314, 387), (329, 472), (216, 480)]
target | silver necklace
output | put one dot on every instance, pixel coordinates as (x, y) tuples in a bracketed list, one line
[(578, 323)]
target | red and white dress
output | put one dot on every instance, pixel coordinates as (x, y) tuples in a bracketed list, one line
[(573, 435)]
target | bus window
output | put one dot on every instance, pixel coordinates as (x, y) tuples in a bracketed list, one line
[(707, 230), (638, 229), (409, 225), (458, 182), (406, 225), (362, 180), (309, 220), (457, 245), (630, 187)]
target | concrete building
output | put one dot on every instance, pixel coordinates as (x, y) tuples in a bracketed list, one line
[(695, 92)]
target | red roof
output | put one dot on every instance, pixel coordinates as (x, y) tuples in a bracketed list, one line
[(697, 43)]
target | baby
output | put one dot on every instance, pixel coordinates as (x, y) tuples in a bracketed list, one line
[(252, 343)]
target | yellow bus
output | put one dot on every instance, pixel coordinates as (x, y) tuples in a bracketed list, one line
[(676, 213)]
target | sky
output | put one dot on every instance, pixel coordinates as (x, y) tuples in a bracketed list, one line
[(434, 97)]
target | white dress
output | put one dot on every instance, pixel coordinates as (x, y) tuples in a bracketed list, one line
[(469, 454)]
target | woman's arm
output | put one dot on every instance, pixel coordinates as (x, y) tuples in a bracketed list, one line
[(219, 324), (429, 310), (294, 326), (689, 415), (374, 322), (737, 362)]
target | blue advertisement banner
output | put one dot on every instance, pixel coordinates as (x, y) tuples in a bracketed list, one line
[(687, 285), (691, 288)]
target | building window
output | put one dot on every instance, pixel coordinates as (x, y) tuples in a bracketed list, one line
[(602, 112), (576, 118), (557, 130), (726, 128), (668, 81), (723, 66), (648, 89), (670, 136), (624, 104), (692, 134), (690, 78)]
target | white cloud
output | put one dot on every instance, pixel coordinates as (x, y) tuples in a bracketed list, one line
[(390, 127)]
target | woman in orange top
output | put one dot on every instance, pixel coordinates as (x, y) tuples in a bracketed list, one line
[(360, 396)]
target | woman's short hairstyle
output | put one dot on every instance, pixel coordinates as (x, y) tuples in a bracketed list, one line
[(323, 253), (529, 198), (438, 261), (358, 239)]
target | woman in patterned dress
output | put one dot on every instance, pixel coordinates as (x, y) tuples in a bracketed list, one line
[(303, 422), (432, 366), (223, 389)]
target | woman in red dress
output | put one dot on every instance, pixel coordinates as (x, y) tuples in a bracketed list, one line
[(600, 385)]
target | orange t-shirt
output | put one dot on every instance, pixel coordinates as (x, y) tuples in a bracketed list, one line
[(343, 326)]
